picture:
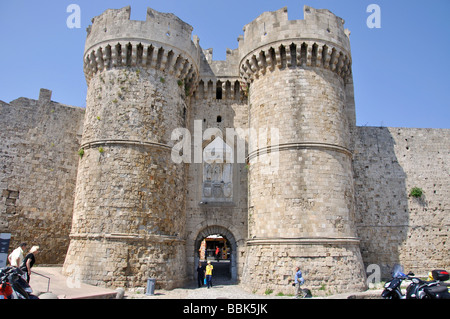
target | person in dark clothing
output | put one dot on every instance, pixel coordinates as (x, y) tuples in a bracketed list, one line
[(29, 261), (200, 275)]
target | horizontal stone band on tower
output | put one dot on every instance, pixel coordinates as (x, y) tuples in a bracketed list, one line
[(303, 241), (126, 53), (301, 145), (127, 237), (160, 146), (295, 54)]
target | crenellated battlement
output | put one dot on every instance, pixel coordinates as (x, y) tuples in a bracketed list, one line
[(295, 54), (273, 41), (229, 88), (161, 42), (138, 54), (219, 79), (271, 27)]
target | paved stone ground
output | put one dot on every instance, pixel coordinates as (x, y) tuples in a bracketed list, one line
[(223, 289), (63, 288), (220, 290)]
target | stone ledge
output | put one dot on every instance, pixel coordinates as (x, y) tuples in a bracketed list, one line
[(303, 241), (129, 237), (297, 146)]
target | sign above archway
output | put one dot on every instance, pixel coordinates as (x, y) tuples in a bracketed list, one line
[(217, 172)]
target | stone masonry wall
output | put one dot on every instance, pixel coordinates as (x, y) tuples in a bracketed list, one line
[(232, 218), (393, 226), (39, 140), (301, 192), (305, 195), (128, 188), (339, 198), (322, 265)]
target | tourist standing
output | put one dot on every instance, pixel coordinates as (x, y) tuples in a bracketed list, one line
[(217, 253), (298, 281), (29, 261), (16, 257), (208, 273), (200, 275)]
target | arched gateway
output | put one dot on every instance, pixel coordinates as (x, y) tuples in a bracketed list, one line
[(229, 258)]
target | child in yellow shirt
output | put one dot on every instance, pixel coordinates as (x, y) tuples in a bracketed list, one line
[(208, 274)]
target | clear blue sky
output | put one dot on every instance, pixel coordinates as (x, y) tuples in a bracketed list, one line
[(401, 71)]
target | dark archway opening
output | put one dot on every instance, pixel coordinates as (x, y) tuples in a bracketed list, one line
[(217, 239), (216, 249)]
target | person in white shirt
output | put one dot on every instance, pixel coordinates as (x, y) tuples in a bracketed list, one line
[(16, 257)]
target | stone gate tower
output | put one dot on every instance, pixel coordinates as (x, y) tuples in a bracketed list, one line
[(301, 194), (129, 211), (138, 214)]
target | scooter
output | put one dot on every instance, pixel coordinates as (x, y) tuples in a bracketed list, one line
[(392, 288), (13, 285), (420, 289), (6, 290)]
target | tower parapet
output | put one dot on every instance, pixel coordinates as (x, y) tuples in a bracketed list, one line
[(219, 79), (161, 42), (273, 41)]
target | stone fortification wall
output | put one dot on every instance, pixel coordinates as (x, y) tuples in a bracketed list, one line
[(395, 227), (301, 195), (316, 191), (39, 141), (220, 104), (230, 216), (129, 212)]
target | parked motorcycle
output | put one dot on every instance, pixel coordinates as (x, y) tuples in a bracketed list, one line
[(418, 289), (392, 288), (13, 285)]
